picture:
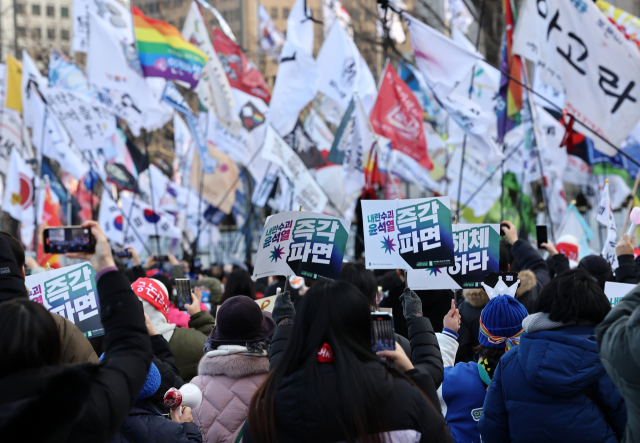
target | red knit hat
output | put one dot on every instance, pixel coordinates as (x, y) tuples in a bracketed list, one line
[(154, 292)]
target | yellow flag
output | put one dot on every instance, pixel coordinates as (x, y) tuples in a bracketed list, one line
[(14, 81)]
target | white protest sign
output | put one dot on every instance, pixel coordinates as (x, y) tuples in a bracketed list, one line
[(408, 234), (70, 292), (267, 303), (616, 291)]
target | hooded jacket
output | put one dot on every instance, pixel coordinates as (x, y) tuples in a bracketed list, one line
[(471, 308), (227, 383), (300, 416), (84, 402), (537, 391), (619, 346), (146, 425)]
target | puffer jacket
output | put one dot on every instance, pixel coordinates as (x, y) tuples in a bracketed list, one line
[(227, 383), (619, 346), (146, 425), (471, 307), (536, 394), (187, 345), (74, 345)]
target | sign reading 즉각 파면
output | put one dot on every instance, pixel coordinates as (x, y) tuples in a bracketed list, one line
[(302, 243), (70, 292), (477, 253), (408, 234)]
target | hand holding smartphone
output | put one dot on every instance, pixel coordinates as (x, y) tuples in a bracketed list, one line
[(382, 332), (183, 288), (541, 235), (65, 239)]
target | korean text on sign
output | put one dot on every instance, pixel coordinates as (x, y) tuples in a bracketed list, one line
[(466, 241), (313, 237), (418, 226), (59, 294), (277, 234), (380, 222)]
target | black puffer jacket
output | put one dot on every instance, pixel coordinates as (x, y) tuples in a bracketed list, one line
[(169, 373), (146, 425), (83, 402), (627, 271), (300, 416), (527, 258)]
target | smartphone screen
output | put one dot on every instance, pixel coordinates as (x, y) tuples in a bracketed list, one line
[(68, 239), (382, 337), (183, 288), (541, 235)]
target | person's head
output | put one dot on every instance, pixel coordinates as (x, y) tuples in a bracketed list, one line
[(337, 314), (362, 278), (506, 256), (213, 287), (30, 338), (574, 297), (151, 384), (16, 248), (239, 282), (240, 321), (155, 299), (501, 323), (598, 267), (217, 272), (11, 273)]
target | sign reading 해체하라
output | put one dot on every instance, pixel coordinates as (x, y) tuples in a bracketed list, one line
[(301, 243)]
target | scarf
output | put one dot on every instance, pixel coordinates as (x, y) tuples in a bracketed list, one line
[(494, 339), (540, 322)]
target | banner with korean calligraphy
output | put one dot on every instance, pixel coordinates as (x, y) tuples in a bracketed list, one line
[(306, 244), (70, 292), (477, 253), (581, 53), (408, 234)]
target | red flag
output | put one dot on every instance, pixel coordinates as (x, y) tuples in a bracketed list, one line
[(397, 115), (241, 72), (50, 218)]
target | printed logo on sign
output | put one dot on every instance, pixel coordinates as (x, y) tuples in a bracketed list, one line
[(476, 414), (251, 117), (348, 72)]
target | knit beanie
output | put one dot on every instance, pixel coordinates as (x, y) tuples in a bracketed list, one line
[(153, 291), (598, 267), (151, 384), (501, 322)]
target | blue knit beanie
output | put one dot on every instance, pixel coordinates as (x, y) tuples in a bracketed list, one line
[(501, 322), (152, 383)]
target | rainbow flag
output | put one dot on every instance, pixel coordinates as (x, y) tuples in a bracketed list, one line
[(164, 53), (510, 100)]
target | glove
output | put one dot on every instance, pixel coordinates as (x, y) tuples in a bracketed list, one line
[(411, 304), (283, 308)]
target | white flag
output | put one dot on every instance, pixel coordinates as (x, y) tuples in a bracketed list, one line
[(392, 20), (582, 53), (557, 200), (306, 191), (31, 80), (213, 88), (10, 137), (19, 194), (114, 14), (605, 217), (342, 69), (332, 12), (358, 150), (297, 80), (146, 221), (458, 15), (271, 39), (110, 218)]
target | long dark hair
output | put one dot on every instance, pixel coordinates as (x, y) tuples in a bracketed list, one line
[(30, 338), (362, 278), (239, 282), (336, 313)]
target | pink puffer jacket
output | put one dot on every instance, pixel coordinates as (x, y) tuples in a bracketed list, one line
[(227, 383)]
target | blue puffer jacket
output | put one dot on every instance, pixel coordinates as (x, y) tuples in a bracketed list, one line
[(146, 425), (536, 393)]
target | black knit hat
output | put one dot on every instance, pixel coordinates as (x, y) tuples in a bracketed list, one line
[(240, 321), (11, 280), (598, 267)]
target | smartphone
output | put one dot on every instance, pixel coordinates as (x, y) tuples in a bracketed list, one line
[(68, 239), (382, 336), (541, 235), (197, 266), (162, 258), (122, 253), (183, 288)]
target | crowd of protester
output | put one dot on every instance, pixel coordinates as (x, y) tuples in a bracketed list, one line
[(551, 362)]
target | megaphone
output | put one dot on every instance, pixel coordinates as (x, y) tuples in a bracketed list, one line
[(188, 395)]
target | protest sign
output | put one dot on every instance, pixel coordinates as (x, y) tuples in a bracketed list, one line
[(414, 234), (302, 243), (267, 303), (615, 291), (477, 253), (70, 292)]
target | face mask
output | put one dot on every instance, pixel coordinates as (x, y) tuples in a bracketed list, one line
[(205, 297)]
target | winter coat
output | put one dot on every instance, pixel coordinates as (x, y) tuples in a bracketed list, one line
[(300, 416), (557, 264), (187, 345), (627, 271), (526, 257), (227, 383), (423, 351), (537, 393), (619, 346), (169, 373), (462, 392), (83, 402), (471, 308), (146, 425), (435, 305), (74, 345)]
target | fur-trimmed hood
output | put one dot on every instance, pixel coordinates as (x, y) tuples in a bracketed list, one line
[(234, 365), (478, 297)]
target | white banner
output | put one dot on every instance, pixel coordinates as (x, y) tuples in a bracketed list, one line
[(113, 13), (580, 52)]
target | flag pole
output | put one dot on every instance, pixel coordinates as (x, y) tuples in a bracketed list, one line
[(630, 206), (464, 138), (147, 141)]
